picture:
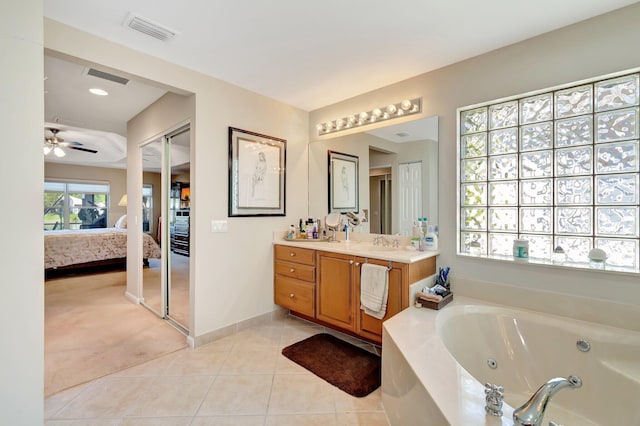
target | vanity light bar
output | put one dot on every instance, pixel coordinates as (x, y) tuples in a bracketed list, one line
[(376, 115)]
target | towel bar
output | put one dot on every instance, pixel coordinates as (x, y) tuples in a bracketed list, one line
[(390, 267)]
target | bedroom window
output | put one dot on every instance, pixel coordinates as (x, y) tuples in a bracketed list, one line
[(75, 205), (558, 168)]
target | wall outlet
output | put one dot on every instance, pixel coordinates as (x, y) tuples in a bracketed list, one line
[(219, 226)]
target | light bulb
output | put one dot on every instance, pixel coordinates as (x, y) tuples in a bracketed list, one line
[(376, 113), (58, 152), (339, 123), (406, 105), (391, 109), (46, 149), (320, 127)]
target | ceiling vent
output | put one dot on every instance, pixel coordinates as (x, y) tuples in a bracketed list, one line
[(402, 134), (150, 28), (106, 76)]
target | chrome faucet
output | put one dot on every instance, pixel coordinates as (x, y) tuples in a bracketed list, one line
[(532, 412), (380, 240)]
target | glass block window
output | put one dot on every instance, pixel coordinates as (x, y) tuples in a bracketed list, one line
[(558, 168)]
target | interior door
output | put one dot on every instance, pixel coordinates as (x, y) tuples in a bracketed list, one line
[(410, 195), (166, 288), (153, 270), (178, 147)]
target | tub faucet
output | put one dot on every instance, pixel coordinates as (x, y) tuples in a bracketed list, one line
[(532, 412)]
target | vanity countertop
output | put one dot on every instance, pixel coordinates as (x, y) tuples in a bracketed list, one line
[(362, 249)]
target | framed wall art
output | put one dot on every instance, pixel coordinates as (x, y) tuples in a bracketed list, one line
[(343, 182), (257, 171)]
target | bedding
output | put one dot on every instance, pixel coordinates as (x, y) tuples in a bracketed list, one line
[(71, 247)]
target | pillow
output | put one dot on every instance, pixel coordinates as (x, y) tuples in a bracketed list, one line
[(122, 222)]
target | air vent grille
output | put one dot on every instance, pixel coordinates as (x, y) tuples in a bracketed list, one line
[(106, 76), (150, 28)]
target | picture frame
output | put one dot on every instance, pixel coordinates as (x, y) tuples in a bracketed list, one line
[(343, 182), (257, 174)]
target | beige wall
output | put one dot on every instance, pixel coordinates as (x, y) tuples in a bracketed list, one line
[(595, 47), (21, 247), (231, 272)]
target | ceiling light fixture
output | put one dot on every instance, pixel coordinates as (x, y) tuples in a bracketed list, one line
[(376, 115), (99, 92)]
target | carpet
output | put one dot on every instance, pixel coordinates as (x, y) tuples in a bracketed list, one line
[(91, 329), (352, 369)]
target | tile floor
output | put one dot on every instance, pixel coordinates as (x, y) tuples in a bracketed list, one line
[(241, 379)]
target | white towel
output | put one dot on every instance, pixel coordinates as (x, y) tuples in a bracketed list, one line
[(374, 289)]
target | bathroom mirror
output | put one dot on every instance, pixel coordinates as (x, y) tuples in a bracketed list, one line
[(398, 175)]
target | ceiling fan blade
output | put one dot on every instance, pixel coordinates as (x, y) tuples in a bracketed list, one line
[(93, 151)]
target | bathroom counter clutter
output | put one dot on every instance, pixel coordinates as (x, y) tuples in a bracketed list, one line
[(363, 249)]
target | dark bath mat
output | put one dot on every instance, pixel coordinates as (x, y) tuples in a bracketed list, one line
[(352, 369)]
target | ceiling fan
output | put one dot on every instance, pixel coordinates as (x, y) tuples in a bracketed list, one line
[(55, 144)]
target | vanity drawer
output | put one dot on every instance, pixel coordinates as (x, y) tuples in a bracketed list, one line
[(295, 295), (295, 254), (296, 270)]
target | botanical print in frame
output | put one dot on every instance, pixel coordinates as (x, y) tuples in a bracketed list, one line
[(257, 173), (343, 182)]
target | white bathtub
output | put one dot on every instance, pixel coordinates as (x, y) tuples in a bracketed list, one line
[(434, 366)]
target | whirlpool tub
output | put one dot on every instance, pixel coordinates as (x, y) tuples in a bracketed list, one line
[(435, 365)]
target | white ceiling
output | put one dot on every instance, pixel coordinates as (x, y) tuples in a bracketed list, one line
[(306, 54), (310, 53)]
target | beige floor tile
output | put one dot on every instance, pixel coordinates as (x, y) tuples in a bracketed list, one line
[(171, 396), (257, 338), (84, 422), (246, 394), (55, 403), (302, 420), (156, 421), (229, 421), (362, 419), (347, 403), (251, 361), (285, 366), (192, 363), (300, 393), (105, 398), (291, 335), (153, 368)]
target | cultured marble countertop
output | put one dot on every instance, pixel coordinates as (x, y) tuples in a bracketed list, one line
[(363, 248)]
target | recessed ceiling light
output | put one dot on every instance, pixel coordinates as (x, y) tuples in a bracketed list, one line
[(98, 92)]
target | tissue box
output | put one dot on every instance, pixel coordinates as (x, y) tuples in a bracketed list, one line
[(433, 305)]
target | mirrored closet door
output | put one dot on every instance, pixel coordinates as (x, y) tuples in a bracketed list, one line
[(166, 175)]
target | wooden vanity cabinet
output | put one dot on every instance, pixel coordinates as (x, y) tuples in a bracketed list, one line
[(335, 290), (294, 279), (324, 287)]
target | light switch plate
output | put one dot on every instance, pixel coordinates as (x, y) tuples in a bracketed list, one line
[(219, 226)]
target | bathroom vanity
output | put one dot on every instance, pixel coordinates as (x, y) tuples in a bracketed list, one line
[(320, 282)]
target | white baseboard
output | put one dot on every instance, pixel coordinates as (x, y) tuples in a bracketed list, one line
[(132, 298)]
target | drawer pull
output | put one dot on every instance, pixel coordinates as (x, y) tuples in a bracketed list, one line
[(351, 262), (292, 270), (292, 295), (292, 254), (357, 263)]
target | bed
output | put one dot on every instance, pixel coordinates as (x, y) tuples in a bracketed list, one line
[(91, 247)]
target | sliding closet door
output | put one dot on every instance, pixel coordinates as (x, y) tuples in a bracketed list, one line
[(178, 149), (154, 269), (166, 163)]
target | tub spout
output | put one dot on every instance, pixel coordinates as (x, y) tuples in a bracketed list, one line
[(532, 412)]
